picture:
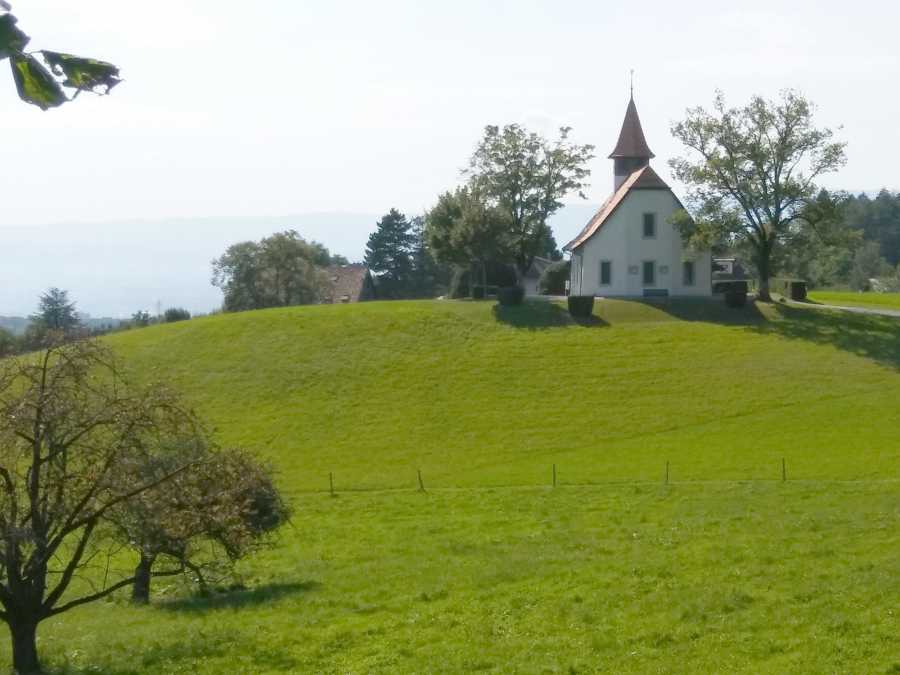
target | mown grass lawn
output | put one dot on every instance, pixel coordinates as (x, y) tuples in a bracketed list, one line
[(646, 578), (850, 299), (726, 569)]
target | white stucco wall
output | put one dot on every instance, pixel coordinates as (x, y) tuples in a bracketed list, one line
[(621, 242)]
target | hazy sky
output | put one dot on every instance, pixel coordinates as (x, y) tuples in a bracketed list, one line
[(279, 107)]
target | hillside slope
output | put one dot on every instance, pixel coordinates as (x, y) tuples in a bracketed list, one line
[(708, 573), (474, 395)]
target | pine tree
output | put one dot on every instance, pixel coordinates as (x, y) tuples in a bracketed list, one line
[(56, 312), (389, 255)]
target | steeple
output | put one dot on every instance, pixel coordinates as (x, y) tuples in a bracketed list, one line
[(631, 152)]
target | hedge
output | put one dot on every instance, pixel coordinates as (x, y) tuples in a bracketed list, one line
[(795, 289), (581, 305), (511, 295)]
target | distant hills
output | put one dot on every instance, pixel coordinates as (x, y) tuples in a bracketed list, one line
[(117, 268)]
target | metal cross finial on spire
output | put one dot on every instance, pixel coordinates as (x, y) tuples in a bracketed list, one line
[(632, 83)]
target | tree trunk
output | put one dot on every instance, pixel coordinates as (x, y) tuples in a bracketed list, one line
[(140, 591), (24, 646), (764, 268)]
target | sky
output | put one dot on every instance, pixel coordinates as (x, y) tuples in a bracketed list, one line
[(257, 112)]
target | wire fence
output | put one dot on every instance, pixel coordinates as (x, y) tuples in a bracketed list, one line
[(418, 482)]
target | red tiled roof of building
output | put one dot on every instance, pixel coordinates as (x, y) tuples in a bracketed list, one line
[(349, 283)]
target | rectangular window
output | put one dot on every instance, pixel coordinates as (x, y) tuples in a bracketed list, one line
[(688, 272), (605, 272), (649, 226), (649, 273)]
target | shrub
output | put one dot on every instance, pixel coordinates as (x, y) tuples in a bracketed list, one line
[(140, 319), (511, 295), (735, 297), (553, 280), (581, 306), (8, 343), (795, 289), (478, 292), (727, 285), (174, 314)]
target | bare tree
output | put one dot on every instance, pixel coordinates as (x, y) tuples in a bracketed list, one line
[(70, 428)]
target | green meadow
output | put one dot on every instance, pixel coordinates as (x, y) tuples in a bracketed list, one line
[(850, 299), (724, 568)]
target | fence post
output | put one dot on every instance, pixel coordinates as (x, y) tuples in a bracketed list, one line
[(421, 484), (554, 475), (331, 482)]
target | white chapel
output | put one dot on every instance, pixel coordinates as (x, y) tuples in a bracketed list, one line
[(629, 248)]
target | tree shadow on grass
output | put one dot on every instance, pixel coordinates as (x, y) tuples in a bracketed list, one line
[(870, 336), (541, 315), (708, 311), (193, 648), (208, 644), (239, 599), (867, 335)]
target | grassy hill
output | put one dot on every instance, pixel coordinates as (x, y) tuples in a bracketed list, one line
[(851, 299), (726, 568)]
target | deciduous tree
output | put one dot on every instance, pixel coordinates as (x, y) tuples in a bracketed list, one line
[(70, 429), (222, 508), (280, 270), (751, 174), (464, 230), (526, 176)]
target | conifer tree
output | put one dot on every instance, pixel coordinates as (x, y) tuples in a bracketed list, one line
[(389, 255)]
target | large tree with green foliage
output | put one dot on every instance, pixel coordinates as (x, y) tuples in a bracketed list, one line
[(525, 176), (277, 271), (389, 255), (464, 230), (751, 174), (43, 76)]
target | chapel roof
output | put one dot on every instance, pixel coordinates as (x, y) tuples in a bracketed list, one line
[(632, 143), (644, 178)]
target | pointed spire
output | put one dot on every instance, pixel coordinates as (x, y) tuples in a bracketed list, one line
[(632, 144)]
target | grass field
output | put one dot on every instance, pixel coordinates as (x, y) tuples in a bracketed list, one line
[(726, 569), (850, 299)]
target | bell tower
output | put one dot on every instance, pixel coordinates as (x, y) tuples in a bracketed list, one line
[(631, 152)]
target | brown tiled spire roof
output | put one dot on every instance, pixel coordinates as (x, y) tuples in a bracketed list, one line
[(631, 139)]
